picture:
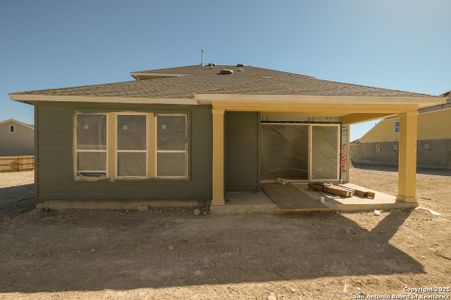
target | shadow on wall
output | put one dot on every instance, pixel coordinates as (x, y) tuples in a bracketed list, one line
[(96, 250)]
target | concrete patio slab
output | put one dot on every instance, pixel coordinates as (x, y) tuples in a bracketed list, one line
[(381, 200), (260, 202), (244, 202)]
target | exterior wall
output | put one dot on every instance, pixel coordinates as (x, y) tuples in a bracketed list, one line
[(432, 154), (55, 159), (241, 151), (21, 142), (433, 125), (434, 141), (365, 153)]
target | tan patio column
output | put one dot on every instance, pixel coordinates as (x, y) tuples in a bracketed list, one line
[(218, 157), (407, 169)]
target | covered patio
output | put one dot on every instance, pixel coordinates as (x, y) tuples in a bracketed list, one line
[(298, 198), (350, 110)]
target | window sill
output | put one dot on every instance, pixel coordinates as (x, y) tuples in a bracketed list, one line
[(149, 179), (91, 179), (128, 179)]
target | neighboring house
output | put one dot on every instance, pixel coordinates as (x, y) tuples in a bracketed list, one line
[(379, 146), (16, 138), (183, 136)]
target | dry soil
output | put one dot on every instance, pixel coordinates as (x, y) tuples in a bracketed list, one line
[(173, 254)]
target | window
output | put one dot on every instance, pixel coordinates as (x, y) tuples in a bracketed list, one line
[(172, 146), (427, 146), (91, 151), (131, 145), (325, 154), (12, 129), (143, 145), (378, 148), (396, 127)]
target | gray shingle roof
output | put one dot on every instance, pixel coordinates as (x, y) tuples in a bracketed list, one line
[(207, 80)]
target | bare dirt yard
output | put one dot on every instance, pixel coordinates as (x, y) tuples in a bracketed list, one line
[(173, 254)]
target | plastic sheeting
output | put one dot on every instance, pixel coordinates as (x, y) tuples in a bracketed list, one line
[(91, 136), (171, 146), (324, 152), (284, 151), (131, 164), (171, 164), (171, 132), (131, 137), (91, 161), (131, 132), (91, 132)]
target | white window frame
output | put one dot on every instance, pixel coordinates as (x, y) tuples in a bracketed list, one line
[(116, 150), (185, 151), (13, 127), (76, 150)]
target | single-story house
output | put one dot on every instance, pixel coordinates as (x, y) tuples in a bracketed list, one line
[(16, 138), (379, 146), (186, 135)]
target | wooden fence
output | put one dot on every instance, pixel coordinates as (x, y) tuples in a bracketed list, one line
[(16, 163)]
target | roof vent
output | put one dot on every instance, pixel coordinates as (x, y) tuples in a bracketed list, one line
[(225, 71), (240, 65)]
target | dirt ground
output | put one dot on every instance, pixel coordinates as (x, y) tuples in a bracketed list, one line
[(173, 254)]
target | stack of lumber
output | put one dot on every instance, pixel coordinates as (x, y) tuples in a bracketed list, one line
[(339, 190)]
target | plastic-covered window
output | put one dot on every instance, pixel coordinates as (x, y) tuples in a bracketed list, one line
[(284, 151), (131, 145), (91, 145), (324, 152), (172, 146)]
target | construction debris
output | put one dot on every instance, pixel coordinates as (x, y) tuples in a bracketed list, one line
[(364, 194), (340, 190), (271, 296), (330, 188), (433, 212)]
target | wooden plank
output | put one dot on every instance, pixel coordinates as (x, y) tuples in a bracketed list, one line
[(331, 189), (361, 193)]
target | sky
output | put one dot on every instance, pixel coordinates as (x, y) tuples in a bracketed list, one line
[(397, 44)]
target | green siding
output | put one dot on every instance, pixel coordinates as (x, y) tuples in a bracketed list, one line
[(56, 179), (241, 151)]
